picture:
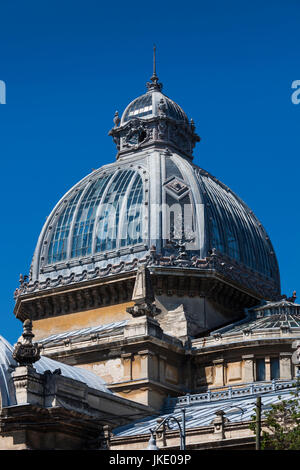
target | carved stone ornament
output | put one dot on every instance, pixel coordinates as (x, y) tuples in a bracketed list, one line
[(25, 351), (143, 295), (180, 246), (162, 108), (117, 119), (137, 134), (162, 129), (216, 261)]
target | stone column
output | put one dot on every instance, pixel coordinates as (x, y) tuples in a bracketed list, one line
[(162, 368), (219, 372), (285, 365), (127, 359), (248, 368), (154, 367), (145, 358)]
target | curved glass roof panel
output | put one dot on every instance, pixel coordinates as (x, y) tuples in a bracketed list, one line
[(59, 241), (174, 111), (224, 232), (132, 223), (105, 214), (140, 107), (148, 105), (108, 221), (216, 239), (85, 219), (234, 231)]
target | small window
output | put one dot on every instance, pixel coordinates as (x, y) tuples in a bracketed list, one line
[(260, 370), (274, 363)]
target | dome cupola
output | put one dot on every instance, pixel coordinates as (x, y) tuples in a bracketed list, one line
[(154, 120)]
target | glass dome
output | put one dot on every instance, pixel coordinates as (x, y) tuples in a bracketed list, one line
[(153, 103), (109, 220)]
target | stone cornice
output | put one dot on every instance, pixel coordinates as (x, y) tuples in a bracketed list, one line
[(144, 383), (169, 345), (225, 280), (211, 345)]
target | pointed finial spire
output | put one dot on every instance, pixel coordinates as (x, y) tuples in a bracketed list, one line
[(154, 79), (154, 60)]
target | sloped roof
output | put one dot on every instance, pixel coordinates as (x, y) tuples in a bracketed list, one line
[(238, 405), (99, 330)]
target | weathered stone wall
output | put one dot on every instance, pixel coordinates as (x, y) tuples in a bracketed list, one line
[(240, 368), (75, 321)]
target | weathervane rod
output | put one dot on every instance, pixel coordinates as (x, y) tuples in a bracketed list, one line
[(154, 79)]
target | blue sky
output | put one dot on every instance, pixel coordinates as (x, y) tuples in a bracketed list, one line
[(69, 65)]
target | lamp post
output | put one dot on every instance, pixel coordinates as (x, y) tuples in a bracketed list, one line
[(168, 421), (258, 424)]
